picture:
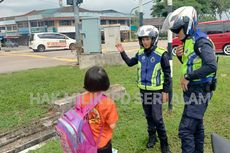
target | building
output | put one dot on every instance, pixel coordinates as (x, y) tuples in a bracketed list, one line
[(61, 20), (157, 22)]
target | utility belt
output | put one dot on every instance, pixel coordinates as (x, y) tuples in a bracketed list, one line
[(207, 86)]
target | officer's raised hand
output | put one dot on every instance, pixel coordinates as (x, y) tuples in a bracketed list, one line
[(120, 47)]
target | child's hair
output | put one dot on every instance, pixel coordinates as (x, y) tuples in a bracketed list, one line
[(96, 79)]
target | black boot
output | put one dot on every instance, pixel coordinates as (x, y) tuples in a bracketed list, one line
[(165, 146), (152, 140)]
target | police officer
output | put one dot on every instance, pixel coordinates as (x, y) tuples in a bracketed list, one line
[(154, 81), (199, 67)]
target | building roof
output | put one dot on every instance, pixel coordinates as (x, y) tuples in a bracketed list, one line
[(154, 21), (67, 9)]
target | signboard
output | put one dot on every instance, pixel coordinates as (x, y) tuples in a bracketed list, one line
[(133, 28)]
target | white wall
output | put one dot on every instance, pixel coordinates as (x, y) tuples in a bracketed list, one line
[(66, 29)]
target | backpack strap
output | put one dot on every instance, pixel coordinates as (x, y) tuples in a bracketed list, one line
[(94, 101)]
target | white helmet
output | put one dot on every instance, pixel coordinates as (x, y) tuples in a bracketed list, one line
[(182, 18), (148, 31)]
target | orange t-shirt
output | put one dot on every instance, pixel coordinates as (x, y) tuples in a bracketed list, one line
[(103, 115)]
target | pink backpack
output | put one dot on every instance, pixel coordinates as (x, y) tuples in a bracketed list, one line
[(74, 129)]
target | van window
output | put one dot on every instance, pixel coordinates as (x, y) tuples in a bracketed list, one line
[(51, 36), (227, 26), (44, 36), (214, 28), (57, 36)]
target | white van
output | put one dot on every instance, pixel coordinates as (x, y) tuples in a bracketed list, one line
[(41, 42)]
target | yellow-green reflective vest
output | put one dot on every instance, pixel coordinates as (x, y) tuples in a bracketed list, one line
[(191, 61)]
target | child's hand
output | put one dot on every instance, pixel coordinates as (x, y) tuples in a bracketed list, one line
[(165, 97), (112, 126), (120, 47)]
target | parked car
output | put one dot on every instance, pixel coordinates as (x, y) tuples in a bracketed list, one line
[(217, 31), (41, 42)]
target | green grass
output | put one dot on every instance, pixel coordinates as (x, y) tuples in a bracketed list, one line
[(130, 136)]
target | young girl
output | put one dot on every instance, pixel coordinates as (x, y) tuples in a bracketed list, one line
[(103, 117)]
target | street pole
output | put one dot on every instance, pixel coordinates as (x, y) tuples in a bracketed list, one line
[(77, 30), (170, 37), (141, 14), (140, 6), (130, 32)]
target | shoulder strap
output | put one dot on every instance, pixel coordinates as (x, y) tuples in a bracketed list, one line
[(160, 51), (94, 101), (140, 51), (196, 49)]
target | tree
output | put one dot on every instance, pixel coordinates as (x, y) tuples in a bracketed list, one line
[(1, 1), (160, 9), (203, 7), (220, 7)]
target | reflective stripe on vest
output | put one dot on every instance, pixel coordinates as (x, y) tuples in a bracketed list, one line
[(191, 62), (149, 72)]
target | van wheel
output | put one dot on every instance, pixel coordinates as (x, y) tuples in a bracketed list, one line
[(227, 49), (174, 50), (41, 48), (72, 46)]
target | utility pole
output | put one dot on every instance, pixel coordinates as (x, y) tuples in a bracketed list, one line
[(60, 3), (141, 14), (77, 30), (140, 17), (170, 37)]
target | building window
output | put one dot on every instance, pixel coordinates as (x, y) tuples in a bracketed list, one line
[(41, 24), (121, 22), (128, 22), (2, 28), (103, 22), (34, 24), (50, 23), (14, 28), (9, 28), (22, 24), (112, 21), (65, 23)]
